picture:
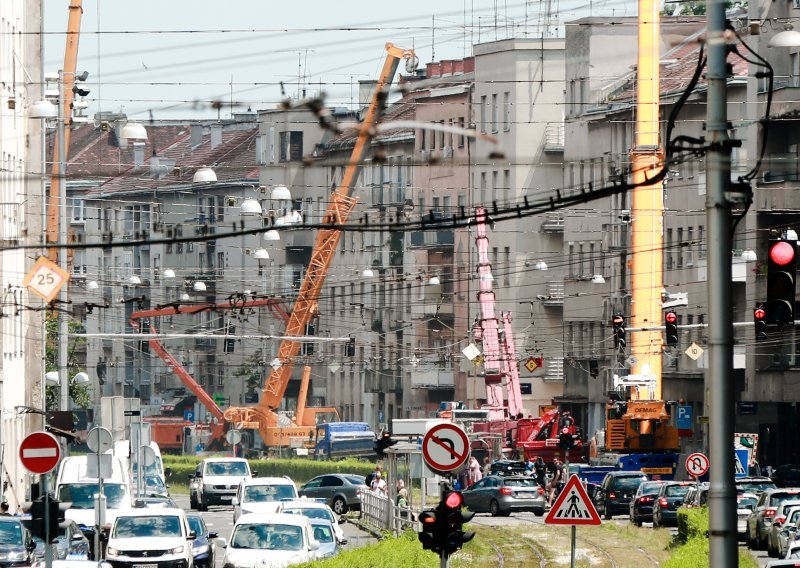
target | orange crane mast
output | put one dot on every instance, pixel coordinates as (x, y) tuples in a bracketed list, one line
[(341, 206)]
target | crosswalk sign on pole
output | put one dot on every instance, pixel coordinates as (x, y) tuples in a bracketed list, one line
[(573, 506), (740, 463)]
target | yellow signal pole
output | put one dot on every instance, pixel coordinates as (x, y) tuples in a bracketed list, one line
[(647, 207)]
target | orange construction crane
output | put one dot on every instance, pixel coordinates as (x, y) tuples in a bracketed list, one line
[(263, 417), (68, 78)]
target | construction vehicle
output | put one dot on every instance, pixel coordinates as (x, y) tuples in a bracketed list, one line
[(264, 417)]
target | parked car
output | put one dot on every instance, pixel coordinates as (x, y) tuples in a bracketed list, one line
[(745, 503), (341, 490), (641, 507), (215, 481), (760, 520), (315, 510), (616, 491), (669, 498), (507, 467), (71, 543), (325, 535), (501, 495), (203, 546), (262, 495), (788, 532), (755, 485), (159, 537), (778, 521), (787, 475), (697, 496), (17, 547), (281, 540)]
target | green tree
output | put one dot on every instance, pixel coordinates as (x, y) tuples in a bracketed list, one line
[(79, 394), (252, 371)]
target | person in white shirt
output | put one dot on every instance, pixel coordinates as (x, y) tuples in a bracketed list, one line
[(378, 483)]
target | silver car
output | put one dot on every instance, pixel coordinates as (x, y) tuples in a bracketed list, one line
[(324, 533), (503, 495), (788, 534)]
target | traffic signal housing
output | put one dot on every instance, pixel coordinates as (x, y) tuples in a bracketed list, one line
[(760, 322), (618, 327), (671, 328), (36, 510), (383, 442), (781, 281), (565, 440), (452, 518), (429, 531)]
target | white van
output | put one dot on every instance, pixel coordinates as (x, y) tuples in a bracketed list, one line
[(74, 485)]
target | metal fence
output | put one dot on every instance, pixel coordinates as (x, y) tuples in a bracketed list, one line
[(382, 514)]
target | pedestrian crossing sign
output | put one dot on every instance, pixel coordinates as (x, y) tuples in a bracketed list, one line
[(573, 506)]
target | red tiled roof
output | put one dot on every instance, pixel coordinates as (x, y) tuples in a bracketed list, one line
[(404, 109)]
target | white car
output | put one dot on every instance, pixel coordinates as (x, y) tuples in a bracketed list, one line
[(150, 538), (215, 481), (315, 510), (270, 541), (262, 495)]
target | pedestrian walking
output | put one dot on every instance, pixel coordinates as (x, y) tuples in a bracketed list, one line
[(475, 474)]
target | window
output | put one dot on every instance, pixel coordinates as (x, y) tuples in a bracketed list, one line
[(421, 139), (507, 182), (507, 266), (77, 211), (483, 113), (506, 111), (483, 188), (461, 136), (494, 113), (291, 146), (681, 245), (494, 185), (701, 242), (571, 261)]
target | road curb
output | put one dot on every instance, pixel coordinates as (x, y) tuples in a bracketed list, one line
[(367, 528)]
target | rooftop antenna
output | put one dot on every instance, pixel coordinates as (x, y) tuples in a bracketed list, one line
[(433, 38)]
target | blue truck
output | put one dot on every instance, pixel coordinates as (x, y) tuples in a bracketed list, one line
[(343, 439)]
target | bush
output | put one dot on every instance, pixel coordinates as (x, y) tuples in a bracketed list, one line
[(405, 551), (300, 470), (693, 534), (692, 523)]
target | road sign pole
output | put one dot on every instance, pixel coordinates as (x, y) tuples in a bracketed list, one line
[(48, 550), (572, 548)]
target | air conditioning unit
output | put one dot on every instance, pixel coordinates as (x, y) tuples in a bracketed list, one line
[(447, 152), (262, 189), (231, 201)]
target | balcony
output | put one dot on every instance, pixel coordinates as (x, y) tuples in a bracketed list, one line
[(778, 191), (553, 223), (554, 137), (432, 239), (432, 379), (555, 294), (384, 380), (440, 305)]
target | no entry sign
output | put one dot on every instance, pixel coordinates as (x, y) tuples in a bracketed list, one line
[(39, 452), (445, 448)]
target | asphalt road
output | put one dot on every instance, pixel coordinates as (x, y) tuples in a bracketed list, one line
[(220, 520)]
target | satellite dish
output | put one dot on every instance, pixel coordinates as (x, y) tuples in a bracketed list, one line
[(631, 361)]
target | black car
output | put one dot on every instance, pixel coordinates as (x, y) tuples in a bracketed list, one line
[(787, 475), (17, 547), (203, 545), (507, 467), (641, 507), (670, 497), (616, 491)]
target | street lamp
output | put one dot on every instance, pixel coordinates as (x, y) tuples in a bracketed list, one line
[(204, 174), (134, 131), (787, 38)]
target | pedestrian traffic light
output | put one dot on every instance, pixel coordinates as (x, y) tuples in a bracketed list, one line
[(781, 284), (618, 327), (671, 328), (382, 442), (428, 533), (452, 518), (760, 321)]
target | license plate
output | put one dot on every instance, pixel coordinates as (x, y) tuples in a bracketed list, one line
[(145, 566)]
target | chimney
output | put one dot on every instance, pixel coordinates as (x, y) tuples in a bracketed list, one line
[(216, 135), (196, 137), (433, 69), (447, 67)]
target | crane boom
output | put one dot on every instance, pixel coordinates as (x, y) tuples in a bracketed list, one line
[(341, 206), (511, 369), (68, 78)]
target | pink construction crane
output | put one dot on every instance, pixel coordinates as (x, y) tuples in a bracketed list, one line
[(498, 349)]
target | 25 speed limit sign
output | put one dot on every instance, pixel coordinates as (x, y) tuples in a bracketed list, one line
[(46, 279)]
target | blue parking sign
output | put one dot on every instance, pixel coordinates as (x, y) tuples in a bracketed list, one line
[(685, 421), (188, 415)]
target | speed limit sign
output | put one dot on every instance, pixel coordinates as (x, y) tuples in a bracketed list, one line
[(46, 279)]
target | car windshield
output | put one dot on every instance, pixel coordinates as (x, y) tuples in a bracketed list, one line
[(754, 486), (267, 537), (778, 498), (311, 513), (196, 524), (226, 468), (323, 533), (81, 495), (11, 533), (747, 502), (521, 483), (627, 482), (153, 526), (266, 493), (676, 490), (650, 488)]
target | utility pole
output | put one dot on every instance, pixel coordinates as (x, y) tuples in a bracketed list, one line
[(61, 187), (719, 386)]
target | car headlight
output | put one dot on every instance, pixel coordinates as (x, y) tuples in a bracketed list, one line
[(112, 551), (176, 550), (200, 550), (17, 556)]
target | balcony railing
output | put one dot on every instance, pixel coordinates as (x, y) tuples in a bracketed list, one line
[(554, 295), (433, 238), (432, 379), (554, 137)]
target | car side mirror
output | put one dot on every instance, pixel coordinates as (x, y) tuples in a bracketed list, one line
[(313, 545), (192, 535), (31, 546), (212, 534), (167, 472), (255, 474), (222, 542), (234, 501), (190, 476), (342, 520)]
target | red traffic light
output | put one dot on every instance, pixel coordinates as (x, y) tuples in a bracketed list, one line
[(617, 320), (781, 253), (759, 313), (454, 500), (671, 317)]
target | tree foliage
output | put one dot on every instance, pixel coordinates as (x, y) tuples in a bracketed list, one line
[(80, 394)]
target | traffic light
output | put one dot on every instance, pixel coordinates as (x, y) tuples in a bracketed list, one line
[(230, 340), (671, 328), (760, 321), (429, 531), (382, 442), (618, 327), (781, 285), (350, 348), (452, 518), (594, 368), (36, 510), (57, 520), (565, 440)]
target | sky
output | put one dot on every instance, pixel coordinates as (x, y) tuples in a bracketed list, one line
[(172, 57)]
